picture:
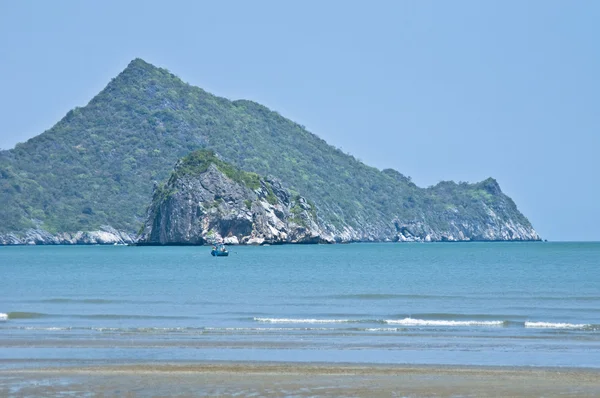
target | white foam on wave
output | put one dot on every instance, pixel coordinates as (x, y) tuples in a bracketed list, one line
[(427, 322), (145, 329), (552, 325), (296, 320), (382, 330), (54, 328), (3, 316), (45, 329)]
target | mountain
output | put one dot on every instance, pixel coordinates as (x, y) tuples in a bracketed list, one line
[(96, 168), (207, 200)]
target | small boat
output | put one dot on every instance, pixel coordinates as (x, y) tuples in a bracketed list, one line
[(219, 250)]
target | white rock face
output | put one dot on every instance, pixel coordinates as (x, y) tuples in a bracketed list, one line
[(105, 236), (255, 241), (211, 207), (231, 240)]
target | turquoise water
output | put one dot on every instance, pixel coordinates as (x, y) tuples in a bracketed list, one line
[(510, 304)]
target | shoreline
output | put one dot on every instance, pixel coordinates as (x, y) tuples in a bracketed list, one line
[(298, 379), (266, 243), (74, 366)]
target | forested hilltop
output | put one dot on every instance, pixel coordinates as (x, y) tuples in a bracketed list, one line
[(95, 170)]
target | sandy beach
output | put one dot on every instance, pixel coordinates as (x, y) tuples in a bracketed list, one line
[(298, 380)]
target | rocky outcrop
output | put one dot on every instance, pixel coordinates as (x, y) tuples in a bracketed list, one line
[(493, 230), (455, 213), (106, 235), (207, 200), (206, 207)]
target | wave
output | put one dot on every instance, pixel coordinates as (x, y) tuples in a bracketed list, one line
[(46, 329), (36, 315), (296, 320), (246, 329), (201, 330), (559, 325), (148, 330), (301, 329), (443, 320), (456, 316), (106, 329), (24, 315), (429, 322), (403, 322), (126, 316)]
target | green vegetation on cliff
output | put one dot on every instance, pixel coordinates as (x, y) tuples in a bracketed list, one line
[(97, 165), (197, 163)]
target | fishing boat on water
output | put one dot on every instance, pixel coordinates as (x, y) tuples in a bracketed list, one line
[(219, 250)]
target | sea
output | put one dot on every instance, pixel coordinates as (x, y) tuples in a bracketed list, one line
[(475, 304)]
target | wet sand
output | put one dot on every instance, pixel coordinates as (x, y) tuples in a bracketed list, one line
[(297, 380)]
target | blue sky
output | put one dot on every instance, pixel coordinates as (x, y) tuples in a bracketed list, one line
[(438, 90)]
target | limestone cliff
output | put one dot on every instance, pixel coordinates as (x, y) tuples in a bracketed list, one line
[(206, 200)]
